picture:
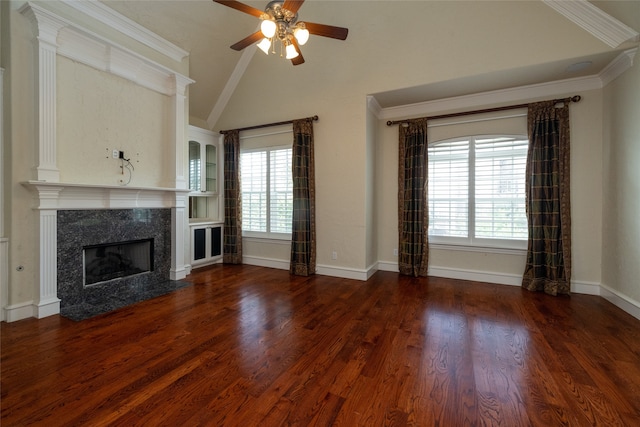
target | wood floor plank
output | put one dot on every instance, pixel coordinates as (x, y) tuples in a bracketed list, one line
[(251, 346)]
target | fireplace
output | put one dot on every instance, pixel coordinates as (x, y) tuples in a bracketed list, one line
[(110, 258), (112, 261)]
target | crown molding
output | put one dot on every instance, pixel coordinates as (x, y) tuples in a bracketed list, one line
[(374, 106), (622, 63), (103, 13), (497, 97), (615, 68), (596, 22)]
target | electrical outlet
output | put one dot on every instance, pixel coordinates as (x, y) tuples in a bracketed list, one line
[(334, 255), (395, 252), (116, 153), (121, 154)]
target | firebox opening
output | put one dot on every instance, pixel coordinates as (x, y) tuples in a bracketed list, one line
[(111, 261)]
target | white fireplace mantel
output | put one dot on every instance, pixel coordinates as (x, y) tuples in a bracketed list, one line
[(50, 197), (59, 196)]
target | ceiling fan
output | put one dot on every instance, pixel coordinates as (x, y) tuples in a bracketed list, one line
[(280, 23)]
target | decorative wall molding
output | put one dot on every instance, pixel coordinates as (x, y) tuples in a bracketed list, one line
[(126, 26), (89, 49), (615, 68), (596, 22), (74, 41)]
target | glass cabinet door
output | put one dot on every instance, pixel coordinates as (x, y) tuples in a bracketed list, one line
[(195, 165), (211, 166)]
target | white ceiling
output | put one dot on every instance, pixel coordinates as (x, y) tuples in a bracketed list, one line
[(206, 30)]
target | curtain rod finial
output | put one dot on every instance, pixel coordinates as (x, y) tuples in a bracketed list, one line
[(576, 98)]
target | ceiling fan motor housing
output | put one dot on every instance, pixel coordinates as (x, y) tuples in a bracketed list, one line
[(284, 19)]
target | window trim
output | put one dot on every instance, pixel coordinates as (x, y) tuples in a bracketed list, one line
[(471, 243)]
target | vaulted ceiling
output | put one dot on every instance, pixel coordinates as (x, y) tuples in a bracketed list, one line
[(206, 30)]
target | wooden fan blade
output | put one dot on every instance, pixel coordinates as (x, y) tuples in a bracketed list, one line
[(248, 41), (339, 33), (292, 5), (241, 7), (298, 59)]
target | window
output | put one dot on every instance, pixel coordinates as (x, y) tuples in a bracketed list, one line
[(476, 191), (267, 192)]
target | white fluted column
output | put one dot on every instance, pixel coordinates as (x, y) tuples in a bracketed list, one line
[(45, 300), (179, 126), (178, 269), (46, 27)]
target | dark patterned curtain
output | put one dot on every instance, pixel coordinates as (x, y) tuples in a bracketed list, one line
[(413, 213), (303, 232), (232, 246), (548, 206)]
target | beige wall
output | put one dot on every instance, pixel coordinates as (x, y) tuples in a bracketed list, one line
[(621, 189), (621, 171), (99, 112)]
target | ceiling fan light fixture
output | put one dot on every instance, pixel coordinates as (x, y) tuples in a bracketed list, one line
[(280, 26), (301, 34), (268, 28), (265, 45), (291, 51)]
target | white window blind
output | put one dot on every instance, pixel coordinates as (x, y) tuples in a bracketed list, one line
[(449, 188), (499, 188), (281, 191), (476, 190), (267, 190)]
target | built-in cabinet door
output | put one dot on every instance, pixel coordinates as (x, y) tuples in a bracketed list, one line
[(206, 243), (204, 175)]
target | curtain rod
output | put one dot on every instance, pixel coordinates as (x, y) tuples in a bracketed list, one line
[(575, 98), (287, 122)]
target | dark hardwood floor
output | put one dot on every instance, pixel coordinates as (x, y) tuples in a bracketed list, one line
[(251, 346)]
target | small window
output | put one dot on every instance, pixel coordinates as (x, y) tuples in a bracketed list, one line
[(267, 192), (476, 191)]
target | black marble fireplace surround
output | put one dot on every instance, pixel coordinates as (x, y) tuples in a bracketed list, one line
[(79, 228)]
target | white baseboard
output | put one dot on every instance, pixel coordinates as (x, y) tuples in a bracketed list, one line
[(13, 313), (25, 310), (587, 288), (345, 273), (266, 262), (388, 266), (46, 308), (324, 270), (4, 274), (180, 273), (478, 276), (620, 300)]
